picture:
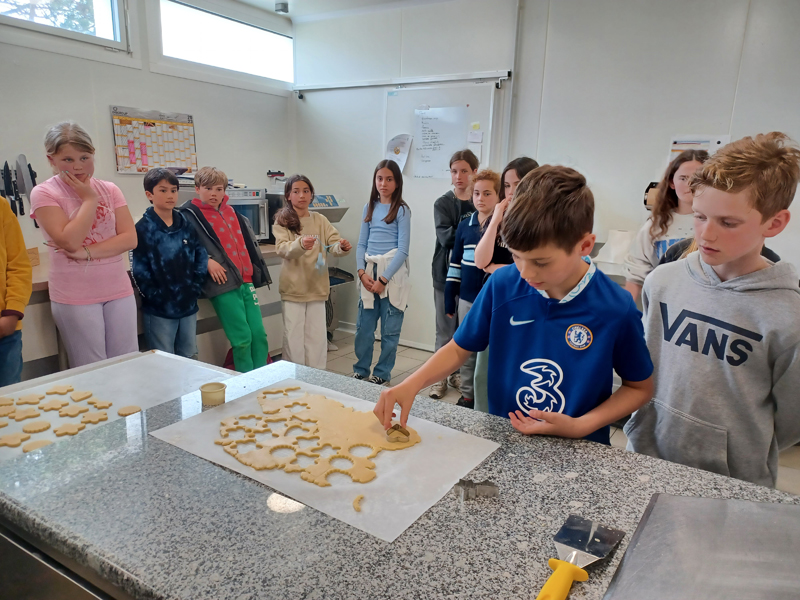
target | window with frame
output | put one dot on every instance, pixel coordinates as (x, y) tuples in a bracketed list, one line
[(196, 35), (89, 20)]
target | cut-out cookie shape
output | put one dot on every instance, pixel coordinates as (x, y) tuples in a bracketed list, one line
[(25, 413), (6, 401), (35, 445), (12, 440), (94, 418), (3, 424), (36, 427), (72, 411), (6, 411), (62, 390), (69, 429), (30, 399), (54, 404), (357, 502), (80, 396), (127, 411), (99, 404)]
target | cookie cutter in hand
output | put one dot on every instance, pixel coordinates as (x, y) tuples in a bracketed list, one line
[(468, 490), (397, 433)]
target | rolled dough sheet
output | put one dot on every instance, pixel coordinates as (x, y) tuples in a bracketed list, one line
[(387, 514)]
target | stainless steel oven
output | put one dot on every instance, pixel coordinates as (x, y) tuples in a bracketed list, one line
[(252, 203)]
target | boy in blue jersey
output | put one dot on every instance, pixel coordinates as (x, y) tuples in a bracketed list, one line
[(557, 326)]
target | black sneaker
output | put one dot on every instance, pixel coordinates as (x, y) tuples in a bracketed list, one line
[(357, 376), (466, 403), (378, 380)]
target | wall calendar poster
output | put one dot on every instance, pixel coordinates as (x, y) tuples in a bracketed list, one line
[(145, 139)]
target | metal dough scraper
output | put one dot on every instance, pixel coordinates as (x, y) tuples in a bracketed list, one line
[(579, 543)]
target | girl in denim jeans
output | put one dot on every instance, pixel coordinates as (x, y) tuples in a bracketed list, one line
[(382, 258)]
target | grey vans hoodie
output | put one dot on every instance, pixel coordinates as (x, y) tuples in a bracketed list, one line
[(727, 369)]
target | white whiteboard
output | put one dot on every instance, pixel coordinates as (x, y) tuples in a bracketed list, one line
[(479, 98)]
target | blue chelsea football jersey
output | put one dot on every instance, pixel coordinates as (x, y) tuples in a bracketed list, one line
[(555, 355)]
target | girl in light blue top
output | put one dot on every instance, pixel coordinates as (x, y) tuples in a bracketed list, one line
[(382, 258)]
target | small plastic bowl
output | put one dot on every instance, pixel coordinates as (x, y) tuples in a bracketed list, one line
[(213, 394)]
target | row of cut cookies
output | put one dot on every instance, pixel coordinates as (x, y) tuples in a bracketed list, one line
[(28, 407)]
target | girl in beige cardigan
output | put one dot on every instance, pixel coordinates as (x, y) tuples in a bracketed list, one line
[(303, 239)]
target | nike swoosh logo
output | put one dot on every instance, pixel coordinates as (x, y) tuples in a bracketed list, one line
[(513, 322)]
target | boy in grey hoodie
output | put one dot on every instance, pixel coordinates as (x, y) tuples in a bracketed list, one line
[(723, 325)]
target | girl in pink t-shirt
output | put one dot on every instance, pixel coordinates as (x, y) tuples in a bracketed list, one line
[(88, 228)]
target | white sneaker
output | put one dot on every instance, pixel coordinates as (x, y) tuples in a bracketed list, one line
[(438, 390), (455, 381), (332, 347)]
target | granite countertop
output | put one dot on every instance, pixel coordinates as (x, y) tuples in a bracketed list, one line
[(161, 523)]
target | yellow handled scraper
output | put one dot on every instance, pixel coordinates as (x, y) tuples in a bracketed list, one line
[(579, 543)]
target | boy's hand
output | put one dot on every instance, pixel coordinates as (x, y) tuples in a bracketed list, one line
[(377, 287), (345, 245), (217, 271), (7, 325), (539, 422), (308, 242), (384, 410)]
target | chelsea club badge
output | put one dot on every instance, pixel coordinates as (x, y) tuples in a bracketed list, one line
[(579, 337)]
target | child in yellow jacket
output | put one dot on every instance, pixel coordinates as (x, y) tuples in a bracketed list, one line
[(15, 292), (303, 239)]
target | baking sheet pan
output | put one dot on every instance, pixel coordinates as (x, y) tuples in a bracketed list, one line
[(143, 380), (688, 547)]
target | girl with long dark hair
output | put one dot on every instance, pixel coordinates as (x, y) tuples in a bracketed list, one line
[(382, 258)]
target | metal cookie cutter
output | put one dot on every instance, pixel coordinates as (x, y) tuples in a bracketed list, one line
[(467, 489), (397, 433)]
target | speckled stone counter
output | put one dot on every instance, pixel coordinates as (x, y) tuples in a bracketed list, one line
[(157, 522)]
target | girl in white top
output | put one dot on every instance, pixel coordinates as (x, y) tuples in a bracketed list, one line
[(670, 222)]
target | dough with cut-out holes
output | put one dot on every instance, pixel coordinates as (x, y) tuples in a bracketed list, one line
[(73, 410), (35, 445), (127, 411), (6, 401), (25, 413), (322, 420), (100, 404), (30, 399), (63, 390), (36, 427), (54, 404), (12, 440), (80, 396), (69, 429), (94, 418)]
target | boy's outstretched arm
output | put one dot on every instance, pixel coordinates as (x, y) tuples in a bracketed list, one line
[(631, 396), (449, 358)]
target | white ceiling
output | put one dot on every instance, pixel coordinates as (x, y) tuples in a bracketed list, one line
[(312, 9)]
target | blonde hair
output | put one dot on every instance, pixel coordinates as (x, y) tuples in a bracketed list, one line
[(67, 132), (208, 177), (768, 165), (487, 175)]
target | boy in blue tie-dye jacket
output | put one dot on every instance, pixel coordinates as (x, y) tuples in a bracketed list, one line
[(169, 267)]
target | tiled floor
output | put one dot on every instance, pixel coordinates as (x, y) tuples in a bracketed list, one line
[(410, 359)]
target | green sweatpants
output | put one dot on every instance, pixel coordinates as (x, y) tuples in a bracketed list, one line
[(240, 315)]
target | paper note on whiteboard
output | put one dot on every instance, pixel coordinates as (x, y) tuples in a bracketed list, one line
[(438, 133), (709, 143), (397, 149)]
